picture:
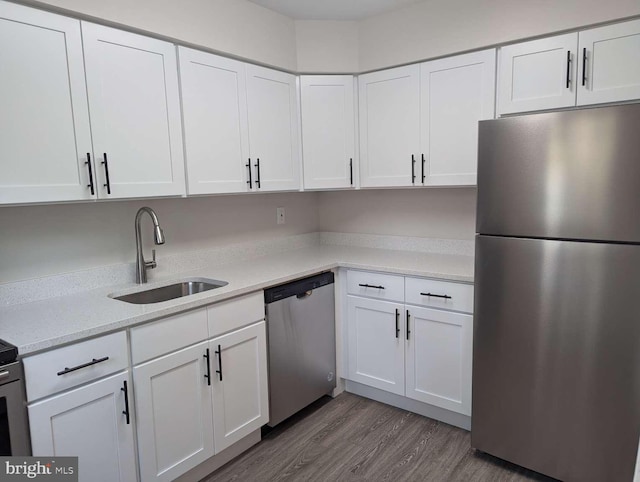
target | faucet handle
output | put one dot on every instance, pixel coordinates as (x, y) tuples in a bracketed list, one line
[(151, 264)]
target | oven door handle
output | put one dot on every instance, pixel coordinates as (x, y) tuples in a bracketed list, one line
[(4, 374)]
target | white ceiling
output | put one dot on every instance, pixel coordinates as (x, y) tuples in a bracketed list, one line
[(332, 9)]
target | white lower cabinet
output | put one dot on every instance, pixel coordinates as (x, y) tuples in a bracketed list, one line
[(91, 423), (193, 403), (376, 343), (417, 352), (239, 384), (175, 422), (438, 358)]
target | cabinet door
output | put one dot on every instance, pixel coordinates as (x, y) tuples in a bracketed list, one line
[(132, 83), (456, 93), (612, 69), (273, 129), (240, 389), (328, 131), (89, 423), (537, 75), (44, 119), (390, 127), (173, 401), (439, 354), (214, 104), (375, 338)]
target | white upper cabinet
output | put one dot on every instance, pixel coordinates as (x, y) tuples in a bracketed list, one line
[(45, 139), (538, 75), (132, 82), (214, 103), (593, 66), (328, 131), (611, 72), (390, 127), (273, 129), (455, 94)]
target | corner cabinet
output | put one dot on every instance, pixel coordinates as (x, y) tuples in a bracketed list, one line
[(132, 83), (45, 140), (412, 337), (328, 131), (589, 67), (419, 123)]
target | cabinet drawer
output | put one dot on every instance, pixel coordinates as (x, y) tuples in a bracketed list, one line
[(236, 313), (72, 365), (167, 335), (375, 285), (444, 294)]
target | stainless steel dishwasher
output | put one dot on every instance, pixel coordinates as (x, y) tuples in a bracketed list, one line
[(302, 344)]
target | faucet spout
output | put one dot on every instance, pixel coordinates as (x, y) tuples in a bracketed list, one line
[(141, 264)]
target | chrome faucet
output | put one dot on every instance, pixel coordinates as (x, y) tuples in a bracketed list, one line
[(141, 265)]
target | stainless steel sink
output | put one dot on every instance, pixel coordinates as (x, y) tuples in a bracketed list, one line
[(183, 288)]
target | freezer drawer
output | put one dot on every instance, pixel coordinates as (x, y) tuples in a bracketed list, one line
[(556, 363)]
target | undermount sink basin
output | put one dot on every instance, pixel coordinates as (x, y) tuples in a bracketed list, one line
[(170, 292)]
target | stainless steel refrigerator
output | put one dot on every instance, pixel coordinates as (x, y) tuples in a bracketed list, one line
[(556, 353)]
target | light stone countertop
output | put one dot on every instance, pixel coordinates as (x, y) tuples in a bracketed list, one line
[(41, 325)]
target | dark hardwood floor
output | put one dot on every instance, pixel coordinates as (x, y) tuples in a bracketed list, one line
[(351, 438)]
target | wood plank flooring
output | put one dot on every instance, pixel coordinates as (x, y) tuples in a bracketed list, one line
[(351, 438)]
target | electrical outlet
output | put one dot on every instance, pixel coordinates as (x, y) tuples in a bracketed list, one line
[(280, 215)]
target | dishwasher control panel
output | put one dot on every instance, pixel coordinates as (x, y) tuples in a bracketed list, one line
[(295, 288)]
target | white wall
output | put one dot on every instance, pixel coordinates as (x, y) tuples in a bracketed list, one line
[(440, 27), (424, 30), (327, 46), (44, 240), (431, 213), (235, 27), (39, 241)]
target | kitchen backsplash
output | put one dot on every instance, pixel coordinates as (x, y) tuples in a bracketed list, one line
[(118, 274)]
